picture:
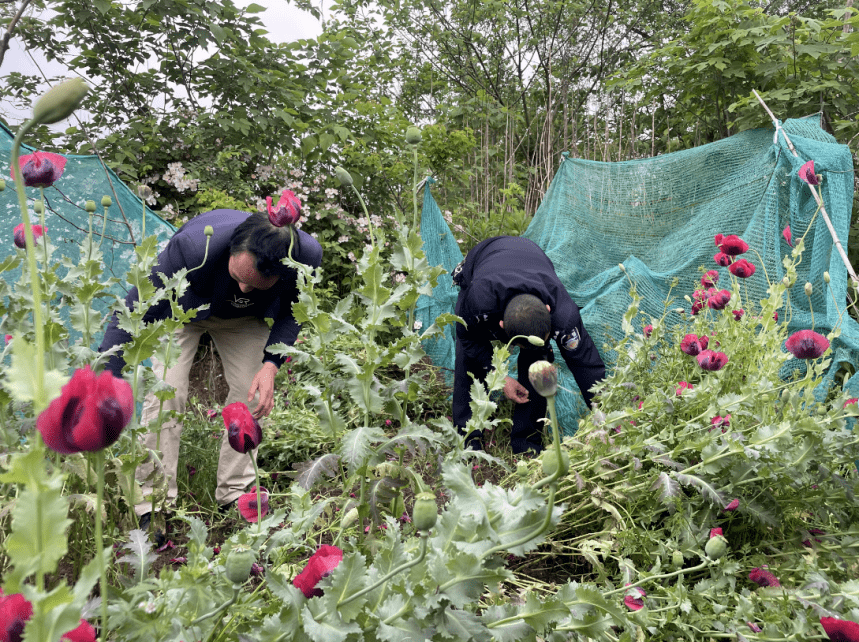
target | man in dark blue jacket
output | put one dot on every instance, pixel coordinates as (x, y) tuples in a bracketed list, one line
[(244, 282), (508, 287)]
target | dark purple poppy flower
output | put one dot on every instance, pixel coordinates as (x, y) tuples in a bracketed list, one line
[(648, 330), (733, 245), (721, 422), (806, 173), (320, 564), (710, 278), (806, 344), (692, 345), (719, 300), (738, 314), (19, 237), (287, 211), (722, 259), (762, 577), (711, 360), (247, 504), (742, 269), (840, 630), (41, 169), (635, 600), (732, 506), (15, 610), (243, 430), (787, 235)]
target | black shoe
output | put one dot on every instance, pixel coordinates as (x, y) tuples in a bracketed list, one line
[(143, 521), (525, 447), (223, 509)]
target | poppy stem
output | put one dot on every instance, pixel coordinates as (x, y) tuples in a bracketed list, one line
[(98, 456), (256, 473), (367, 214)]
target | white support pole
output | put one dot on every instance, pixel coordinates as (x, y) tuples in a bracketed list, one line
[(815, 194)]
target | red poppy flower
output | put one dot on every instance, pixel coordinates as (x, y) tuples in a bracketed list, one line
[(648, 330), (683, 386), (840, 630), (715, 531), (243, 430), (775, 316), (711, 360), (287, 211), (742, 269), (19, 237), (710, 278), (733, 245), (89, 414), (787, 235), (806, 173), (84, 633), (320, 564), (850, 401), (763, 578), (635, 602), (732, 506), (696, 308), (692, 345), (721, 422), (719, 300), (718, 239), (722, 259), (41, 169), (247, 504), (738, 314), (15, 610), (806, 344)]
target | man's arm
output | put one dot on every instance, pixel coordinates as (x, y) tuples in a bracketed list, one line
[(576, 347)]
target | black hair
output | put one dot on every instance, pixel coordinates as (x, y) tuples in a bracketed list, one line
[(268, 243), (526, 314)]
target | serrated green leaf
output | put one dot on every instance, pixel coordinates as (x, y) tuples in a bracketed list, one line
[(347, 579), (357, 444), (329, 628), (20, 379)]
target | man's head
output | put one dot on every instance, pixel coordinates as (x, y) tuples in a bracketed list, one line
[(527, 315), (267, 244)]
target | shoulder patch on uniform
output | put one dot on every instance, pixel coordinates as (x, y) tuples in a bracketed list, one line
[(571, 340)]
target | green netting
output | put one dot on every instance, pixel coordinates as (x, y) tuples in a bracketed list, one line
[(658, 217), (84, 178)]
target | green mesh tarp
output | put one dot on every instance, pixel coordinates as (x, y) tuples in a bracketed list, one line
[(658, 217), (84, 178)]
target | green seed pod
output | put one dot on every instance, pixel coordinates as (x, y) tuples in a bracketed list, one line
[(208, 230), (677, 559), (544, 377), (425, 512), (349, 518), (808, 289), (413, 135), (90, 206), (549, 460), (786, 281), (522, 470), (622, 267), (2, 184), (826, 277), (144, 191), (238, 564), (343, 176), (106, 201), (535, 341), (60, 101), (716, 547), (38, 207)]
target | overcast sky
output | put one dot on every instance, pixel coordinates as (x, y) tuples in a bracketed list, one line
[(285, 23)]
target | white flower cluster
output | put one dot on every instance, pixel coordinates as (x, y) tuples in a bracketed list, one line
[(175, 176)]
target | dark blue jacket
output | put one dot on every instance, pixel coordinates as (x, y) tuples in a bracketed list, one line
[(502, 267), (212, 283)]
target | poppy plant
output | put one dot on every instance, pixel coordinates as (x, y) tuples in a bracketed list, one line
[(840, 630), (738, 314), (286, 212), (247, 504), (806, 344), (693, 345), (807, 175), (20, 238), (733, 245), (243, 430), (711, 360), (15, 610), (41, 169), (710, 278), (719, 300), (635, 599), (89, 414), (742, 269), (320, 564), (722, 259), (787, 235)]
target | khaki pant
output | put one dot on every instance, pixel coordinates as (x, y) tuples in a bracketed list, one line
[(240, 344)]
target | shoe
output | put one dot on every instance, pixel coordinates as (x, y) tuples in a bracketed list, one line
[(223, 509), (143, 521), (525, 447)]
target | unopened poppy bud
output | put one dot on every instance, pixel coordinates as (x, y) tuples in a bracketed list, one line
[(343, 176), (621, 266), (89, 206), (826, 277), (208, 230), (413, 135), (38, 207), (808, 289), (106, 201), (550, 463), (60, 101), (544, 377), (425, 512), (716, 547), (786, 281), (677, 559), (535, 341), (522, 470)]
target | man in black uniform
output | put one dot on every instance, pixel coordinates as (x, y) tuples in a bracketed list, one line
[(508, 287)]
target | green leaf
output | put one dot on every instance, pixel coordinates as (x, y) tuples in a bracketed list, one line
[(356, 445), (309, 472), (512, 628), (348, 578), (330, 628), (21, 377)]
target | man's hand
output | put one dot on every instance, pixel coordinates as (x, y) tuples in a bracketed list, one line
[(264, 383), (515, 391)]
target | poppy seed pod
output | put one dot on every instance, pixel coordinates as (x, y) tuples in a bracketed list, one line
[(550, 463), (38, 207), (2, 185), (343, 176), (89, 206), (238, 564), (544, 377), (106, 201), (716, 547), (60, 101), (808, 289), (425, 511), (413, 135), (536, 341), (208, 230), (826, 277)]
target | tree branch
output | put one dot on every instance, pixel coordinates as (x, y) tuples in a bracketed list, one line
[(4, 43)]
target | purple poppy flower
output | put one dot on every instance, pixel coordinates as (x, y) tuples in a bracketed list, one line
[(742, 269), (807, 175), (692, 345), (711, 360), (320, 564), (722, 259), (19, 238), (840, 630), (719, 300), (732, 506), (635, 602), (287, 211), (648, 330), (243, 430), (733, 245), (683, 386), (787, 236), (721, 422), (738, 314), (710, 278), (763, 578), (247, 504), (806, 344), (41, 169)]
